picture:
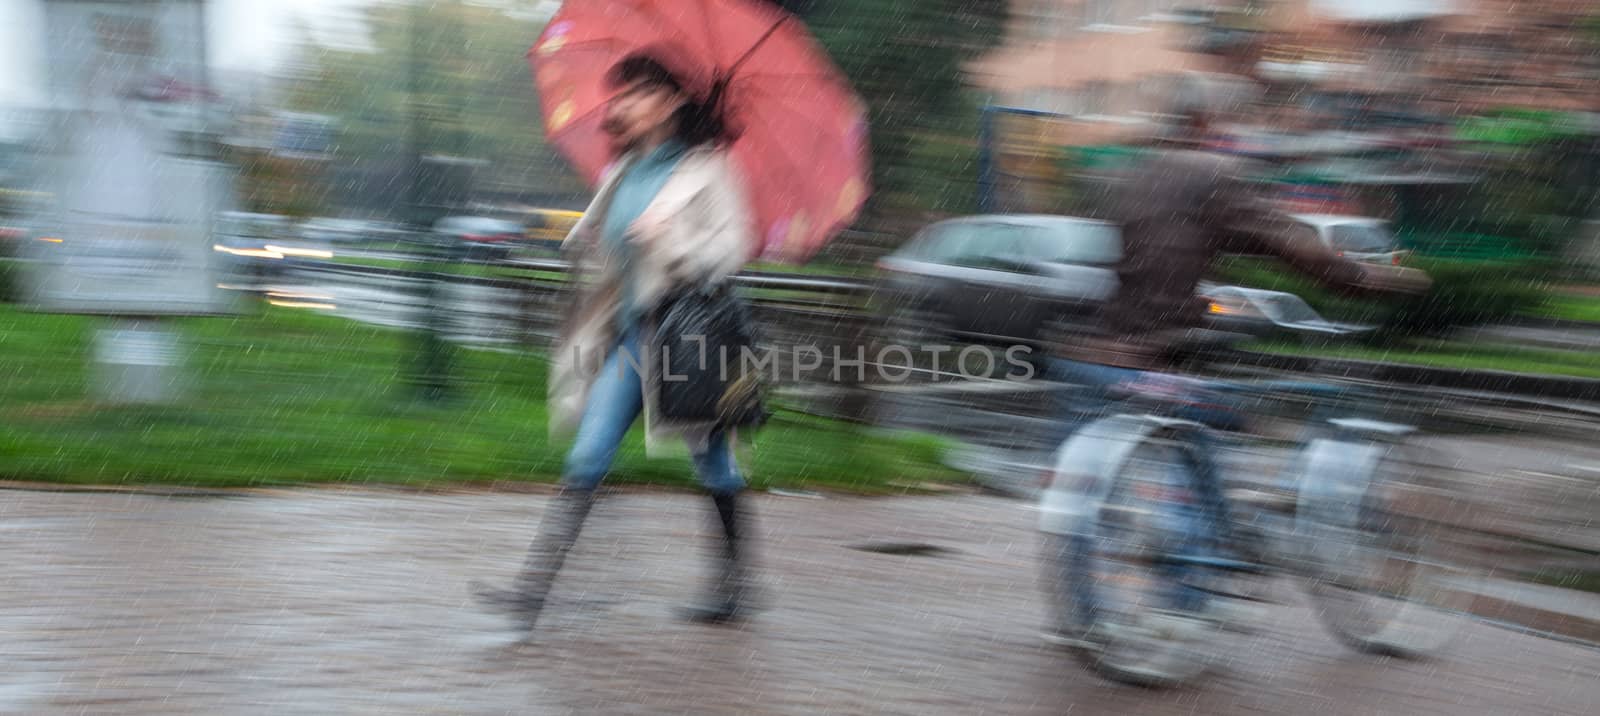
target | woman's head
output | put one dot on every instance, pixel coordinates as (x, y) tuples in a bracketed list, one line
[(651, 106)]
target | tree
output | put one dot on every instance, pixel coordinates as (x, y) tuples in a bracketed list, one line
[(907, 60), (473, 92)]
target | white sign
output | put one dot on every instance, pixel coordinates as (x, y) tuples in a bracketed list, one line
[(136, 347), (125, 160)]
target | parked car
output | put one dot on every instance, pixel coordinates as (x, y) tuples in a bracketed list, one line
[(264, 245), (347, 231), (1357, 238), (481, 237), (548, 228), (998, 279), (11, 238), (1263, 313)]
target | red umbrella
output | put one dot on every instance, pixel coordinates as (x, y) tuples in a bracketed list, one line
[(800, 131)]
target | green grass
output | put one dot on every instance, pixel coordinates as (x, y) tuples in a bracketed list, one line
[(1453, 354), (1582, 309), (294, 397), (820, 269), (1581, 581)]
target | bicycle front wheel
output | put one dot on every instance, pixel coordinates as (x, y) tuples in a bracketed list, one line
[(1135, 615), (1379, 580)]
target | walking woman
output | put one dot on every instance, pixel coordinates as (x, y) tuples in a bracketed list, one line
[(669, 214)]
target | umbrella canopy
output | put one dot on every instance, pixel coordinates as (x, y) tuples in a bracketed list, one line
[(799, 134)]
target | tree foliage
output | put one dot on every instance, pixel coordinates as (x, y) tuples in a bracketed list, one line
[(445, 78), (907, 59)]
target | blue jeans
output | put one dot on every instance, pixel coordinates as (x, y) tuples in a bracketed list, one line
[(1094, 399), (1204, 522), (616, 399)]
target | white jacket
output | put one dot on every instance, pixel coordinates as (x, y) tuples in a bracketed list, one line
[(698, 229)]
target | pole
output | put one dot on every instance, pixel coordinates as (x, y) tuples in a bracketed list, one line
[(431, 374), (986, 160), (988, 171)]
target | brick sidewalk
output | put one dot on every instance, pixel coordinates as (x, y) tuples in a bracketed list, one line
[(349, 602)]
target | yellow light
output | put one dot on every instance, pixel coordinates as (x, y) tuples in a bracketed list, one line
[(50, 239), (291, 251), (293, 294), (1219, 308), (302, 304)]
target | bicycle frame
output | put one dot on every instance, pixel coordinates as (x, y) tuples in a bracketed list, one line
[(1333, 473)]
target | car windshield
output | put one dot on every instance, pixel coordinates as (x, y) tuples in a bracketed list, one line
[(947, 243), (1361, 238), (1075, 242), (1055, 242), (1290, 309)]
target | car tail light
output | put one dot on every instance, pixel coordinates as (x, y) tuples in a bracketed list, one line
[(1396, 259), (1046, 477)]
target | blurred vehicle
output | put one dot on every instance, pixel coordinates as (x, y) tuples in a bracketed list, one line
[(1262, 313), (1358, 238), (548, 228), (1032, 280), (348, 231), (482, 238), (999, 278), (264, 245), (11, 238)]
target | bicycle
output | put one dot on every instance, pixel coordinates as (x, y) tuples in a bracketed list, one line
[(1146, 557)]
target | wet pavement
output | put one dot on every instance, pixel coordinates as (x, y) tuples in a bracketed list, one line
[(354, 602)]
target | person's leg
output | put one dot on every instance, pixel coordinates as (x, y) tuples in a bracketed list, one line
[(728, 596), (715, 466), (1090, 399), (615, 401), (1202, 523)]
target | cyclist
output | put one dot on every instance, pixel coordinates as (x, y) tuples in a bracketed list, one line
[(1179, 209)]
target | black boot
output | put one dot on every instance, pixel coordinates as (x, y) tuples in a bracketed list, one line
[(557, 532), (730, 593)]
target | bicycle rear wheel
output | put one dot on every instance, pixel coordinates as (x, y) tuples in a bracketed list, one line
[(1379, 581)]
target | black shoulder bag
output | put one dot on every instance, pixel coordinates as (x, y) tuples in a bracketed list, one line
[(703, 335)]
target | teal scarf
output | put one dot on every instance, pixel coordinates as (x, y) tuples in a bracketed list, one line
[(637, 187)]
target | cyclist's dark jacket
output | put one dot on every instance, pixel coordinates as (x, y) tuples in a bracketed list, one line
[(1178, 210)]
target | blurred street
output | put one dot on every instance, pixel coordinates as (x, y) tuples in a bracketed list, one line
[(354, 601)]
